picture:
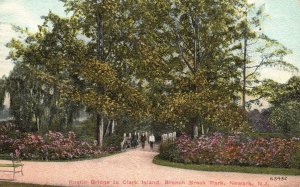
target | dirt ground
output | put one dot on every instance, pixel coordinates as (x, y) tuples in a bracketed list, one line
[(135, 168)]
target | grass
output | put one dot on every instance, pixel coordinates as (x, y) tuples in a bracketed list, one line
[(223, 168), (13, 184)]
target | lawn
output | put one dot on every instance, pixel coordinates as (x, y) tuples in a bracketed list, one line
[(12, 184), (223, 168)]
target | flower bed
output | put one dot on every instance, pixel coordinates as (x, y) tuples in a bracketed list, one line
[(51, 146), (234, 150)]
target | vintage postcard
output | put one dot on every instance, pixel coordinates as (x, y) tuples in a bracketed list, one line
[(134, 93)]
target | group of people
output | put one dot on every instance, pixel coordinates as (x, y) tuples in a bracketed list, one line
[(144, 139), (134, 140)]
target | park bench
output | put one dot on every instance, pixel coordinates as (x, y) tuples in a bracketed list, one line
[(10, 161)]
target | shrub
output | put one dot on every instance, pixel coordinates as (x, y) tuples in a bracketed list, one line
[(169, 151), (234, 150), (51, 146), (54, 146), (8, 134), (113, 141), (201, 150), (295, 160)]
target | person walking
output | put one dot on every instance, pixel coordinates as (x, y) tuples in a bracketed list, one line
[(143, 140), (134, 139), (151, 140)]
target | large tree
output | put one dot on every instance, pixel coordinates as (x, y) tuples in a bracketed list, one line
[(174, 59), (80, 64), (284, 99), (204, 36), (258, 51)]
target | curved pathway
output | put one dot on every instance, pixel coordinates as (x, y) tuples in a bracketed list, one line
[(135, 168)]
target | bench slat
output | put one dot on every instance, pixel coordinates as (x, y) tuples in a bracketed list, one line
[(5, 158), (11, 165)]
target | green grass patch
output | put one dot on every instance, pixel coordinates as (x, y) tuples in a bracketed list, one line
[(223, 168), (13, 184)]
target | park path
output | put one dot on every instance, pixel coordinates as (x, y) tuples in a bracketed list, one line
[(135, 168)]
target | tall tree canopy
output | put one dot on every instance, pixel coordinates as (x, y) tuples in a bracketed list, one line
[(175, 63)]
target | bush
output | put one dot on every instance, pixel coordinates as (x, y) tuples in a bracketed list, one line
[(169, 151), (8, 134), (54, 146), (199, 151), (113, 141), (295, 163), (51, 146), (234, 150)]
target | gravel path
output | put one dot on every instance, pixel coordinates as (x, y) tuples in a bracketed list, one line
[(135, 168)]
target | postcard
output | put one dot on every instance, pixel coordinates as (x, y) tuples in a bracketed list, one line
[(127, 93)]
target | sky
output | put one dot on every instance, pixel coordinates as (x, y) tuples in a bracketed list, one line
[(283, 25), (24, 13)]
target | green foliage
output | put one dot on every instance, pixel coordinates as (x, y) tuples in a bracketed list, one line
[(172, 63), (113, 141), (2, 92), (296, 157), (257, 51), (85, 130), (286, 117), (169, 151), (285, 100), (267, 135)]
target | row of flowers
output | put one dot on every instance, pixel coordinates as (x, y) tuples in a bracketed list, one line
[(51, 146), (235, 150)]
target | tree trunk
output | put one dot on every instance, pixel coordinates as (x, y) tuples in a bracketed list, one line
[(195, 131), (99, 130), (107, 131), (244, 74), (37, 122), (245, 61), (100, 36), (100, 57), (195, 127), (101, 133), (50, 119), (113, 127), (69, 118), (98, 121)]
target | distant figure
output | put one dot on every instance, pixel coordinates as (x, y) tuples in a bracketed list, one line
[(147, 136), (143, 140), (134, 141), (95, 142), (151, 140)]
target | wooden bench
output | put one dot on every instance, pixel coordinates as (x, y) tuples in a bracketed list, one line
[(15, 163)]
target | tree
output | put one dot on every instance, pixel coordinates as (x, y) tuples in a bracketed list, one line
[(284, 99), (140, 59), (208, 52), (259, 120), (2, 92), (109, 27), (48, 50), (257, 51), (59, 58), (205, 36), (286, 118)]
